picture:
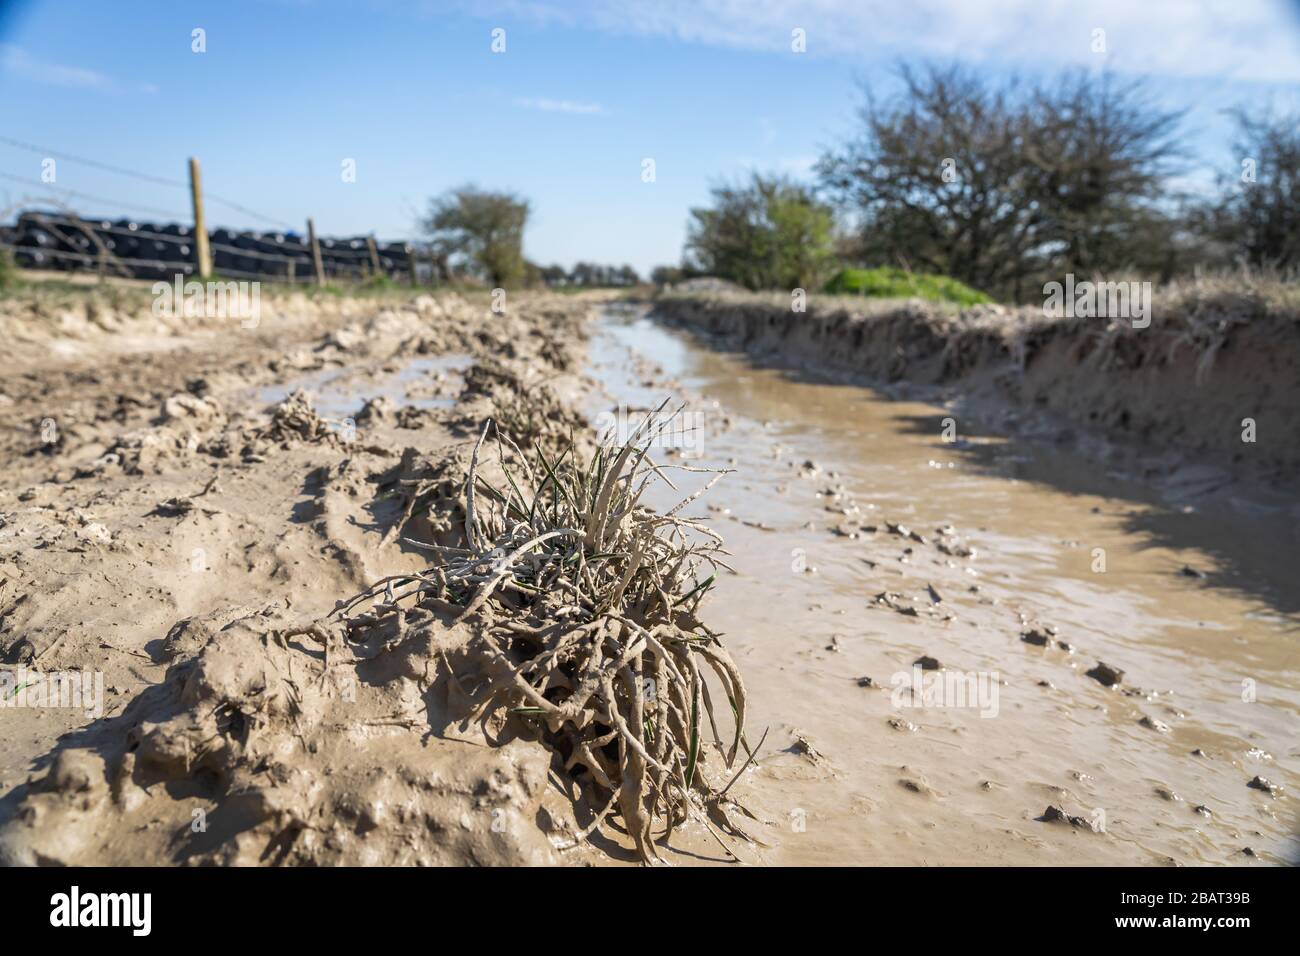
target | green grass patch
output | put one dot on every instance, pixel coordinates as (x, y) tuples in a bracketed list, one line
[(380, 283), (891, 283)]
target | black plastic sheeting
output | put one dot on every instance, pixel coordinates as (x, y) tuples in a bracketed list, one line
[(57, 240)]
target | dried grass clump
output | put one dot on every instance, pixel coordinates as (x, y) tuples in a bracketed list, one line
[(587, 604)]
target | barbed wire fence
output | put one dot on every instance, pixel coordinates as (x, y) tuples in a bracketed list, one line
[(48, 233)]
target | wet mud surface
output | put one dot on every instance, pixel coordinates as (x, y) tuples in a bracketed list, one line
[(1028, 576), (981, 651)]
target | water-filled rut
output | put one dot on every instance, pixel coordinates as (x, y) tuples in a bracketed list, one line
[(869, 535)]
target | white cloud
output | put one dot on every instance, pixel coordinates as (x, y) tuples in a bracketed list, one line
[(19, 62), (559, 106), (1256, 40)]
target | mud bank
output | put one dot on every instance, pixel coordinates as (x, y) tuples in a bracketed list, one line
[(1176, 392)]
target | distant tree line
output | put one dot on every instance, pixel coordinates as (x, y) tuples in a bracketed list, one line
[(589, 275), (1004, 187)]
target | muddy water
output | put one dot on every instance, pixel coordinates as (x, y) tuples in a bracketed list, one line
[(959, 765), (425, 382)]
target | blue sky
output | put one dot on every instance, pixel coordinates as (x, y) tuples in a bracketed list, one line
[(584, 92)]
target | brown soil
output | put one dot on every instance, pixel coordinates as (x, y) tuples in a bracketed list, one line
[(186, 526)]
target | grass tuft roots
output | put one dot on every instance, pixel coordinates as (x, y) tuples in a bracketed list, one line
[(585, 604)]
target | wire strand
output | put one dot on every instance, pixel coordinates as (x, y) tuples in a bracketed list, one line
[(107, 167), (143, 177), (58, 193)]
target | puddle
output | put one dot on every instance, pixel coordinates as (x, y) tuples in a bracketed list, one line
[(338, 393), (1059, 541)]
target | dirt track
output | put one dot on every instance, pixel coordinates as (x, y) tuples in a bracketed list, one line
[(187, 504)]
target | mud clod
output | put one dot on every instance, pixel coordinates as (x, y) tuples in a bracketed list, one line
[(1055, 814), (1106, 675), (1262, 783), (1036, 637)]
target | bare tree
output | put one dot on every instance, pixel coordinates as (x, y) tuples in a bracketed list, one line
[(1257, 216), (996, 186), (1101, 156)]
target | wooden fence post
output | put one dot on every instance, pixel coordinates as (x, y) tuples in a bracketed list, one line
[(201, 255), (315, 253), (415, 272), (374, 256)]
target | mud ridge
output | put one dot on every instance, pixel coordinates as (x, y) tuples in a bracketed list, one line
[(1179, 391)]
